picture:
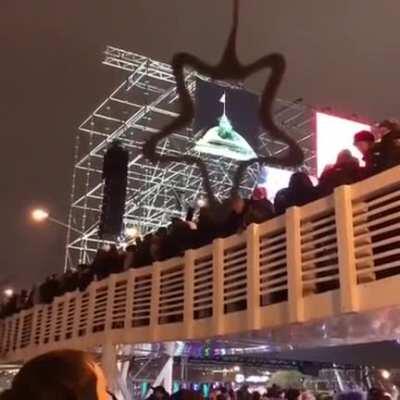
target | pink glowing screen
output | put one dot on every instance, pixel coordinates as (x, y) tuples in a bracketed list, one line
[(333, 135)]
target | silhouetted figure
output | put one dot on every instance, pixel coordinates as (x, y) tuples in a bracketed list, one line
[(256, 395), (281, 202), (186, 395), (61, 375), (345, 171), (370, 150), (69, 282), (143, 254), (22, 300), (207, 228), (86, 276), (235, 219), (49, 289), (129, 261), (390, 145), (259, 208), (243, 393), (376, 394), (301, 190), (292, 394), (159, 393)]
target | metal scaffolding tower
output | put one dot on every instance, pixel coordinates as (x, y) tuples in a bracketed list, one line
[(142, 104)]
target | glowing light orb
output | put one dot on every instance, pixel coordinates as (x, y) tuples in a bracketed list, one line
[(39, 215)]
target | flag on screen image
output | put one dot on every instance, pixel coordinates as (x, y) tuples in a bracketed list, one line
[(227, 121)]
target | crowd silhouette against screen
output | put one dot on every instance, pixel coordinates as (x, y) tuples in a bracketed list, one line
[(234, 216), (77, 375)]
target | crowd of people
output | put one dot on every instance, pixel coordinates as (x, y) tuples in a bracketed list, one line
[(232, 216), (274, 392), (75, 375)]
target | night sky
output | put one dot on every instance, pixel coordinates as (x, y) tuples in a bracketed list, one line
[(344, 54)]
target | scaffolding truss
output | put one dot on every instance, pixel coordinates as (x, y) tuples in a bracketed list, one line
[(140, 106)]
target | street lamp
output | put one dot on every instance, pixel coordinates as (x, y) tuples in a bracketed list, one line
[(8, 293), (40, 215), (385, 374)]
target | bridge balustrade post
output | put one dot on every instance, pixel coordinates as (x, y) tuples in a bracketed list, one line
[(92, 300), (41, 332), (76, 318), (63, 330), (253, 277), (32, 333), (218, 286), (294, 265), (188, 293), (20, 316), (2, 335), (349, 299), (129, 298), (155, 301), (109, 364), (53, 321), (110, 302)]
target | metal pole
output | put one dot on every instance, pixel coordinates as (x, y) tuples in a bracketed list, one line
[(63, 224)]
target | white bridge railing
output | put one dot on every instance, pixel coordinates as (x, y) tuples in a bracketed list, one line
[(320, 260)]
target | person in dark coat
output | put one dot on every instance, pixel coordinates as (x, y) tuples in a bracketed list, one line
[(235, 220), (390, 145), (301, 190), (259, 209), (371, 152), (85, 276), (207, 228), (143, 254), (345, 171), (281, 202), (49, 289), (159, 393)]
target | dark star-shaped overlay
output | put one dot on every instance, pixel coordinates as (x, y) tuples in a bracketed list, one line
[(229, 69)]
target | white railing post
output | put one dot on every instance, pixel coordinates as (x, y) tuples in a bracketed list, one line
[(20, 317), (188, 293), (346, 251), (15, 332), (109, 361), (52, 329), (92, 299), (129, 298), (34, 325), (43, 307), (2, 335), (67, 296), (12, 332), (218, 286), (76, 318), (253, 277), (110, 302), (294, 265), (155, 300)]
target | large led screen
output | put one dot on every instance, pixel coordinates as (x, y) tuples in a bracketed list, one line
[(276, 179), (333, 135), (226, 121)]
